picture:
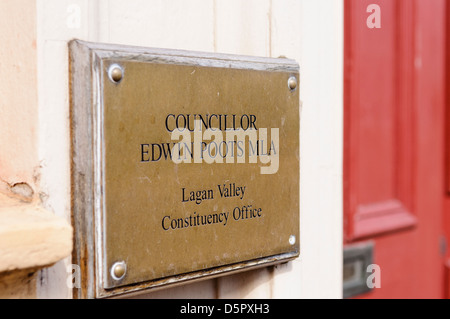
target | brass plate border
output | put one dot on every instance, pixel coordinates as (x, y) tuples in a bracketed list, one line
[(85, 65)]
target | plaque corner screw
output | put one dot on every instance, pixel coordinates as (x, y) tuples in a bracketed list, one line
[(115, 73), (118, 270), (292, 83), (292, 239)]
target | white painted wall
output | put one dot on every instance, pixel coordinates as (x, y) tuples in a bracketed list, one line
[(310, 31)]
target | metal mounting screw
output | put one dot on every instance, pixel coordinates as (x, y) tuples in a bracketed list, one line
[(115, 73), (292, 83), (292, 239), (118, 270)]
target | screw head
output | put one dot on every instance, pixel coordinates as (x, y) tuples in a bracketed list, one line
[(292, 83), (292, 239), (118, 270), (115, 73)]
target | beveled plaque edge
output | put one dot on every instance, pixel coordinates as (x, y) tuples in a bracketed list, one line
[(85, 72), (81, 159), (182, 57), (205, 274)]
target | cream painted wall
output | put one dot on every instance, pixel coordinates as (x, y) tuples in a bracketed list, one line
[(310, 31), (18, 109)]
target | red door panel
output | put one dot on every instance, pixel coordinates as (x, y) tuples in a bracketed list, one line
[(394, 172), (447, 152)]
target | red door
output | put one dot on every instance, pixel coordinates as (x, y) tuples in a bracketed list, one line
[(394, 142), (447, 150)]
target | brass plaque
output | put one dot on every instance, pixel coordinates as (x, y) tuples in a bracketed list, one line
[(195, 163)]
